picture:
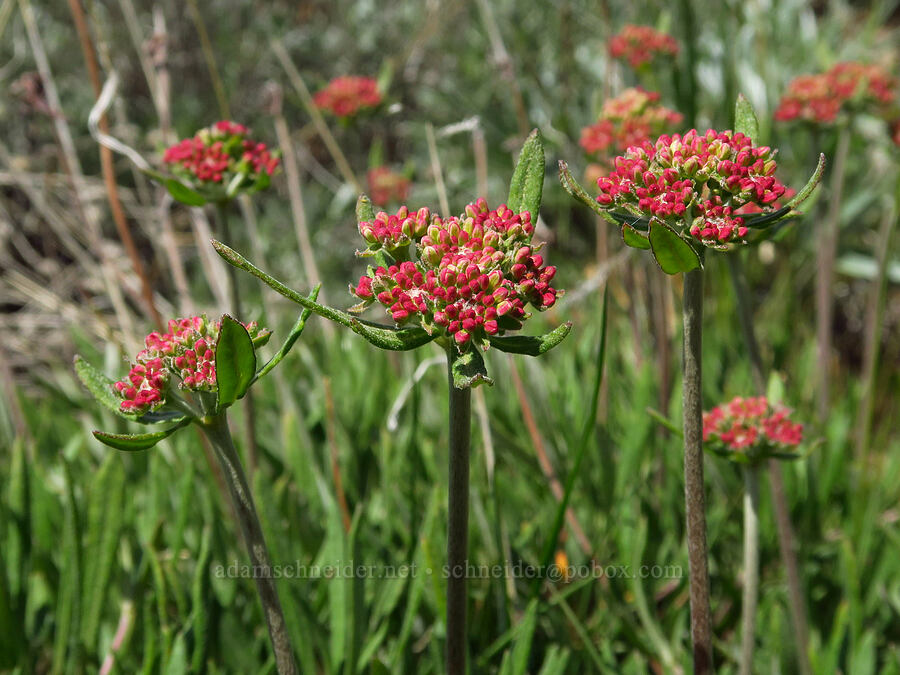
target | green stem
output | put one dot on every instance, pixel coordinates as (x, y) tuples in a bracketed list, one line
[(786, 536), (751, 566), (458, 522), (216, 430), (237, 313), (694, 496), (828, 241)]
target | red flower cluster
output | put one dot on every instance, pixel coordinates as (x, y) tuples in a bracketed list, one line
[(219, 152), (629, 119), (186, 352), (716, 172), (387, 186), (345, 96), (750, 426), (641, 44), (473, 276), (819, 98)]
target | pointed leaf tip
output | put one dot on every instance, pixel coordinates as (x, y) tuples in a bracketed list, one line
[(745, 120), (135, 442), (527, 184), (531, 345)]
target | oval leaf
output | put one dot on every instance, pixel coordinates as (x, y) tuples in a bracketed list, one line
[(235, 362), (468, 369), (633, 238), (531, 345), (527, 182), (745, 120), (134, 442), (672, 253), (182, 193)]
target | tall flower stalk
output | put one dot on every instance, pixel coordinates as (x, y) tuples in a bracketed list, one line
[(191, 375), (676, 197), (464, 283)]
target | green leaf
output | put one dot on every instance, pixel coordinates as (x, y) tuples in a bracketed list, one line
[(745, 120), (573, 187), (101, 387), (365, 213), (672, 253), (134, 442), (521, 648), (182, 193), (235, 362), (291, 338), (468, 369), (531, 345), (527, 182), (382, 337), (633, 238), (811, 184)]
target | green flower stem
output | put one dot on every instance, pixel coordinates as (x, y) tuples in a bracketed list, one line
[(784, 527), (458, 521), (216, 429), (751, 566), (694, 496), (237, 312)]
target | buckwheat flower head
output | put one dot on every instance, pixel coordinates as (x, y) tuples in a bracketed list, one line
[(221, 154), (466, 277), (751, 428), (184, 355), (639, 45), (387, 185), (820, 98), (347, 95), (628, 119), (709, 177)]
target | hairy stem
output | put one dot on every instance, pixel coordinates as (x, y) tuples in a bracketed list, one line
[(457, 522), (216, 429), (784, 527), (751, 566), (694, 496)]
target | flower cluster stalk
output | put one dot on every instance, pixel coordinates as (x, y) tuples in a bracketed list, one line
[(751, 566), (694, 495), (216, 429), (458, 520)]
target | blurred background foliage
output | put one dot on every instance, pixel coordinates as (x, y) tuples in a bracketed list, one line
[(107, 560)]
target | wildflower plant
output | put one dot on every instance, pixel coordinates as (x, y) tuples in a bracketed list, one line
[(750, 431), (629, 119), (675, 198), (463, 282), (348, 95), (640, 45), (191, 375), (217, 164)]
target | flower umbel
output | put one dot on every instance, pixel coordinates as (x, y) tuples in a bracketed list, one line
[(629, 119), (711, 175), (221, 160), (751, 429), (819, 98), (466, 277), (639, 45), (347, 95), (185, 354), (387, 185)]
